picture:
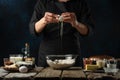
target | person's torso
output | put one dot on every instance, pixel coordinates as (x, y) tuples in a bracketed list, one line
[(51, 34)]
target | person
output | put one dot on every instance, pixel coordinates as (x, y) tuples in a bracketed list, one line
[(60, 23)]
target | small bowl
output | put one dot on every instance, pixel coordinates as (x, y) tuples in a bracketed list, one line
[(61, 61), (111, 70)]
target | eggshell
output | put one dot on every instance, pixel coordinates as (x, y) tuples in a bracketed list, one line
[(23, 69)]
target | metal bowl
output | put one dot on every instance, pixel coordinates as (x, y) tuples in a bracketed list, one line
[(61, 61)]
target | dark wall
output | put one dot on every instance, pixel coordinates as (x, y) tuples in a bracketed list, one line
[(14, 32), (107, 28)]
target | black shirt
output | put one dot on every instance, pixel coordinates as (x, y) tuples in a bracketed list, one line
[(51, 42)]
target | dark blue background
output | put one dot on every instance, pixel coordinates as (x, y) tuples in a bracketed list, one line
[(14, 31)]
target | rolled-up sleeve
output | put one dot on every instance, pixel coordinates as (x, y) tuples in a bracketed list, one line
[(86, 18), (36, 16)]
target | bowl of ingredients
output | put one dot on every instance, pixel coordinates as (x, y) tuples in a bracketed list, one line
[(61, 61)]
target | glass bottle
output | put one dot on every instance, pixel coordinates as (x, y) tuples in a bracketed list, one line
[(26, 50)]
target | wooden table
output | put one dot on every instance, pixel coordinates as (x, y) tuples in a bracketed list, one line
[(102, 76), (40, 73)]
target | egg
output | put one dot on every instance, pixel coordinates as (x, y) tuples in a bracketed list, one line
[(23, 69)]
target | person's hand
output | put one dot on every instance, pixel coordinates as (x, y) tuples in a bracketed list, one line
[(69, 18), (50, 18)]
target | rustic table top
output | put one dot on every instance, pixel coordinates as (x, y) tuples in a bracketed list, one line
[(48, 73), (102, 75)]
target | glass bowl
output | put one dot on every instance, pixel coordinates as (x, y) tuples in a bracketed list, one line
[(111, 71), (61, 61)]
